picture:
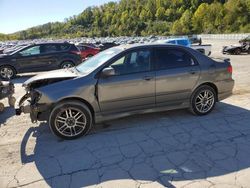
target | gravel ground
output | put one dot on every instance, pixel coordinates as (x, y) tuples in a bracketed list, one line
[(169, 149)]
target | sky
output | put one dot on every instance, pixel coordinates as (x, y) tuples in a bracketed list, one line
[(16, 15)]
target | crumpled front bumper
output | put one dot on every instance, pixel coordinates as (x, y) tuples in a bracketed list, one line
[(23, 105)]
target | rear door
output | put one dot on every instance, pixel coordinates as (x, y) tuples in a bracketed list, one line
[(49, 56), (177, 72), (133, 86)]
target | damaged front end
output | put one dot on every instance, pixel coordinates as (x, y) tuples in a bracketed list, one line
[(34, 101), (29, 104)]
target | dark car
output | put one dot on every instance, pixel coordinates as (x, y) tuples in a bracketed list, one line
[(126, 80), (39, 57), (242, 47)]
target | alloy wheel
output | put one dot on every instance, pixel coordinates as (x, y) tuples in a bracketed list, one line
[(204, 101), (70, 122), (6, 72), (67, 65)]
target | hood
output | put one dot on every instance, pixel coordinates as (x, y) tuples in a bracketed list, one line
[(50, 77), (3, 55)]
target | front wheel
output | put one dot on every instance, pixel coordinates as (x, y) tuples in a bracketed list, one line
[(70, 120), (237, 51), (203, 100)]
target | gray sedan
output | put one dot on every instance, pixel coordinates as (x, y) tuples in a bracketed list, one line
[(126, 80)]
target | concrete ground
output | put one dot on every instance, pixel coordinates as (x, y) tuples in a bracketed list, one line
[(169, 149)]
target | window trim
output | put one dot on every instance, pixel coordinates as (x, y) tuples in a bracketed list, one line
[(172, 48), (131, 51)]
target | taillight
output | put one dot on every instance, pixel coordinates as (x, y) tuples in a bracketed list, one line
[(230, 69)]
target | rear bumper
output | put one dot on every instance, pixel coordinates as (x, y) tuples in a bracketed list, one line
[(225, 89)]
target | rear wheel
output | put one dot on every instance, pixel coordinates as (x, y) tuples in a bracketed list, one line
[(67, 64), (237, 51), (203, 100), (7, 72), (70, 120)]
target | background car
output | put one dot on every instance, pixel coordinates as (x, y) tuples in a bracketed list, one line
[(242, 47), (39, 57), (126, 80), (184, 41), (87, 51)]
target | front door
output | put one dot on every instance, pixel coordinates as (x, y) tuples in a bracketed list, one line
[(133, 85), (33, 59)]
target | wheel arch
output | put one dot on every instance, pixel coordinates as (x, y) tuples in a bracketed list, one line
[(82, 101), (7, 65), (212, 85), (67, 60)]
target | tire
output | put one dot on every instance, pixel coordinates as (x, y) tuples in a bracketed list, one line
[(11, 101), (67, 64), (64, 117), (89, 55), (7, 72), (203, 100), (237, 51)]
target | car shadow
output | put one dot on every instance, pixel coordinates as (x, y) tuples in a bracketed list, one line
[(6, 114), (162, 147)]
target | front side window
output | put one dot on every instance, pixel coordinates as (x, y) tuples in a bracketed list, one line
[(172, 58), (34, 50), (132, 62)]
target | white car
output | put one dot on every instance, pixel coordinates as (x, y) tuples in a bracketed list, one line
[(205, 49)]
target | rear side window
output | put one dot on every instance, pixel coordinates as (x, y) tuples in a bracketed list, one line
[(49, 48), (63, 47), (172, 58)]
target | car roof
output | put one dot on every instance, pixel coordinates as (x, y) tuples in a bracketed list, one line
[(41, 43), (130, 46), (124, 47)]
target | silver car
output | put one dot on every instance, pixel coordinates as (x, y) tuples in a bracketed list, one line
[(126, 80)]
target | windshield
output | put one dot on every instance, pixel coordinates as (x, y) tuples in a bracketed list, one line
[(18, 49), (96, 61)]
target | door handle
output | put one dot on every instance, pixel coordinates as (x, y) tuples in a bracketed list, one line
[(147, 78)]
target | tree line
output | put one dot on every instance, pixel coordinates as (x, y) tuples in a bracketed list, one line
[(148, 17)]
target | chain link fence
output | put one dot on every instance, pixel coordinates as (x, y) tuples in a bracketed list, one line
[(224, 36)]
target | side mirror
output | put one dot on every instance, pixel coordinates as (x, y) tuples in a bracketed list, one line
[(109, 71)]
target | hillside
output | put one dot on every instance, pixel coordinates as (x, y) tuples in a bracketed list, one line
[(148, 17)]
